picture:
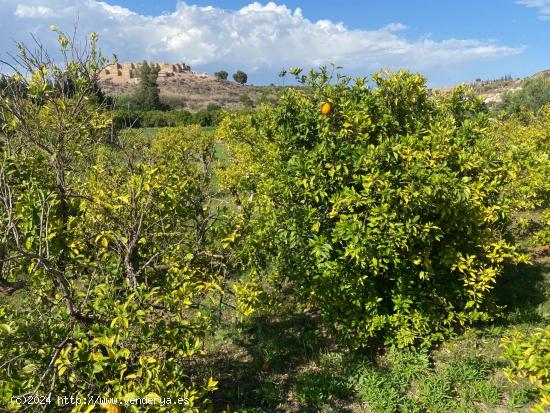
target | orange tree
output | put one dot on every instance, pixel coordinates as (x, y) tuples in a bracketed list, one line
[(380, 206), (108, 251), (522, 140)]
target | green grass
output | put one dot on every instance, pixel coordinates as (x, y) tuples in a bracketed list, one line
[(221, 153), (309, 373), (467, 378)]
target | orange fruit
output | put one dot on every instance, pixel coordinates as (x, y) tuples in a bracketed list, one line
[(326, 109), (265, 366), (114, 408)]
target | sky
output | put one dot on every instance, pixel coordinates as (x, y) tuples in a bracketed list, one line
[(448, 41)]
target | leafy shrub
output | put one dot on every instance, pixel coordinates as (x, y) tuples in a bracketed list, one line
[(246, 101), (542, 237), (529, 357), (385, 212), (211, 116), (523, 143)]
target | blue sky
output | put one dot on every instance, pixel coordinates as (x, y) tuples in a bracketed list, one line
[(448, 41)]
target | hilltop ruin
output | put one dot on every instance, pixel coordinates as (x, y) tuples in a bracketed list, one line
[(180, 87), (125, 72)]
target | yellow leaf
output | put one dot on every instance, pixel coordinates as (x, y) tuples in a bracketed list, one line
[(212, 383)]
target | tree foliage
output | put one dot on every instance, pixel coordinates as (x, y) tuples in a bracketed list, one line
[(240, 77), (386, 215), (147, 95), (529, 357), (378, 205), (108, 251), (534, 94), (221, 75), (522, 141)]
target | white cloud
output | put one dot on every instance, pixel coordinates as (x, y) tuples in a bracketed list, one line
[(259, 38), (33, 11), (543, 7), (394, 27)]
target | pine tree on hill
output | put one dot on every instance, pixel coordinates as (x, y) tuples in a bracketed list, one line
[(240, 77), (147, 96)]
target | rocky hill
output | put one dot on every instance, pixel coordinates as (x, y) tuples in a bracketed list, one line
[(183, 88)]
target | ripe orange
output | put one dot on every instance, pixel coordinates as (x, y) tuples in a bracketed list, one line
[(326, 109), (114, 408)]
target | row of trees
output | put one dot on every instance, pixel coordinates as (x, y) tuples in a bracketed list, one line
[(135, 118)]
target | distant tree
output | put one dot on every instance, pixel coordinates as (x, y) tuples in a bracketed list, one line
[(240, 77), (147, 96), (221, 75)]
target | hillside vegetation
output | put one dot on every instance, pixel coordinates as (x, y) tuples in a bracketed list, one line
[(353, 246), (194, 92)]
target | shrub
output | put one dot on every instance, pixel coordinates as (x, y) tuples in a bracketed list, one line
[(211, 116), (386, 214), (246, 101), (159, 119), (522, 142), (127, 119), (152, 119)]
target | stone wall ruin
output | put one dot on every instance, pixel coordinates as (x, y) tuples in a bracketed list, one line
[(123, 72)]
